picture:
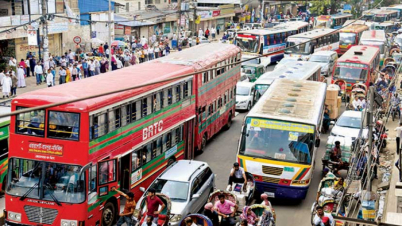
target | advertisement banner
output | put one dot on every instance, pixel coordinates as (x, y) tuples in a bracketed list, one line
[(48, 149), (127, 30), (204, 14), (216, 13), (32, 39)]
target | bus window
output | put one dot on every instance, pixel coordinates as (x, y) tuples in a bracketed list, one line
[(138, 108), (135, 160), (159, 146), (107, 171), (271, 40), (169, 96), (144, 107), (205, 76), (92, 179), (178, 93), (154, 153), (277, 39), (125, 114), (63, 125), (31, 123), (174, 140), (133, 114), (99, 127), (185, 90), (118, 117), (157, 101), (162, 99)]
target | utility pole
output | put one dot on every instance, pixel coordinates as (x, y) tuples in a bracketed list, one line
[(194, 19), (45, 35), (370, 136), (109, 24), (178, 24)]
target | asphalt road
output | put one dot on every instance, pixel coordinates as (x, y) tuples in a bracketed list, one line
[(220, 154)]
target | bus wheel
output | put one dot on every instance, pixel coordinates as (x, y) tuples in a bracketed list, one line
[(108, 214), (204, 142), (229, 123)]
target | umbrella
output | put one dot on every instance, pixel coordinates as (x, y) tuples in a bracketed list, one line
[(118, 43), (96, 41)]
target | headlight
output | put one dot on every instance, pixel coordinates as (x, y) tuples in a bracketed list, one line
[(176, 218), (332, 134), (14, 216), (243, 102), (68, 222)]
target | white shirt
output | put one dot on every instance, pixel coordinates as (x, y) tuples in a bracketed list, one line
[(213, 31), (356, 103), (238, 173), (12, 62), (38, 69), (398, 131), (119, 63), (174, 37), (92, 66), (49, 79), (63, 62), (200, 33), (107, 51), (72, 56), (143, 41), (151, 50)]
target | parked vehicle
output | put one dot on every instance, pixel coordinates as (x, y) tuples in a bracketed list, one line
[(245, 95), (188, 184)]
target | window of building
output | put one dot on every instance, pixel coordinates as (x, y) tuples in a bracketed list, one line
[(107, 171)]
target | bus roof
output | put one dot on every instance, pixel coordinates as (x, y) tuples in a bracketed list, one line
[(379, 12), (296, 70), (341, 15), (369, 53), (180, 63), (273, 30), (304, 101), (292, 25), (313, 34), (373, 35), (352, 22), (370, 11), (354, 28)]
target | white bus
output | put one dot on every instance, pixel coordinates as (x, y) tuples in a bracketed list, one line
[(376, 38), (280, 137), (304, 44), (268, 42), (295, 70), (397, 8)]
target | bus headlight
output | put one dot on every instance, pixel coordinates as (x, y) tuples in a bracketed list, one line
[(68, 222), (14, 216), (301, 182)]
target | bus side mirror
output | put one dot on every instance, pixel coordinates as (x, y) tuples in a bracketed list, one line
[(317, 143)]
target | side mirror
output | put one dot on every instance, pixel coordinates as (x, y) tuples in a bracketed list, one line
[(142, 189), (332, 123), (317, 143), (195, 196)]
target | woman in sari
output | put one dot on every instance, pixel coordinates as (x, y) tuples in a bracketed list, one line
[(249, 215)]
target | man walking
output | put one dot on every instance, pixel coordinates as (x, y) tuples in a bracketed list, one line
[(38, 72), (398, 138), (213, 32)]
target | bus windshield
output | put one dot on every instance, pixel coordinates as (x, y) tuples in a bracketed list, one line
[(283, 141), (347, 38), (248, 45), (297, 47), (379, 19), (356, 72), (46, 181)]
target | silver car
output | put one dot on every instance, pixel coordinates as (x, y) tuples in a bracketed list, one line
[(188, 184)]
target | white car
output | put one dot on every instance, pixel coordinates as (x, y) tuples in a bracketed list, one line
[(284, 61), (327, 61), (349, 125), (244, 95)]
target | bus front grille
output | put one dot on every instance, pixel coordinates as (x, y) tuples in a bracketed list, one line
[(270, 180), (277, 171), (40, 215)]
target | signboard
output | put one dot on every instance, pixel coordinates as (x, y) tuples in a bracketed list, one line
[(32, 37), (166, 29), (77, 39), (216, 13), (127, 30), (57, 27), (136, 176), (274, 48), (345, 64), (204, 14), (271, 124), (48, 149), (171, 152)]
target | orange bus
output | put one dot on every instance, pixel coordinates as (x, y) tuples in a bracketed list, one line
[(357, 65), (350, 36)]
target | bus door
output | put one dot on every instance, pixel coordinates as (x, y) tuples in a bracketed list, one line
[(94, 210), (107, 179), (124, 170)]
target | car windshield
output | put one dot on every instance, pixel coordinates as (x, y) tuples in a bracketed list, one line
[(347, 38), (296, 47), (349, 122), (175, 190), (46, 181), (319, 59), (242, 90), (277, 140), (351, 74), (248, 44)]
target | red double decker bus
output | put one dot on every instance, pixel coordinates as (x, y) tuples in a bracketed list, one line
[(64, 161)]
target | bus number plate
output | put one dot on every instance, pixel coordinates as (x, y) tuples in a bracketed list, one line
[(270, 194), (245, 39)]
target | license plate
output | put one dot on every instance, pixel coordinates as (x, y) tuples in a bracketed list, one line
[(270, 194)]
